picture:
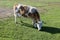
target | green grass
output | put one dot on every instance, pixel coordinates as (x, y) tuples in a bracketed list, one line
[(25, 31)]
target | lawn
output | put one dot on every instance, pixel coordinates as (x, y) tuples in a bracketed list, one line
[(50, 15)]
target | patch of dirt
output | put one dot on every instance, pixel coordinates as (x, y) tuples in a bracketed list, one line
[(53, 3), (5, 12)]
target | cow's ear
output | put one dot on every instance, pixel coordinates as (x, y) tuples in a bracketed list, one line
[(22, 8)]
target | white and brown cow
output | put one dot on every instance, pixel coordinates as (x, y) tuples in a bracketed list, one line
[(28, 11)]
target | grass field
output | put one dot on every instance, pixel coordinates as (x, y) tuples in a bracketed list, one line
[(50, 14)]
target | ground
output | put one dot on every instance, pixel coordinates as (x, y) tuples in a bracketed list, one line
[(49, 11), (5, 12)]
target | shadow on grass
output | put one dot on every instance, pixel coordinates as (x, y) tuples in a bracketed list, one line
[(51, 30), (48, 29)]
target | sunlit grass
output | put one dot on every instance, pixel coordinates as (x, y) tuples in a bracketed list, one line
[(25, 31)]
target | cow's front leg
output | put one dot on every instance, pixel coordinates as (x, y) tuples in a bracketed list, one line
[(15, 17), (20, 16)]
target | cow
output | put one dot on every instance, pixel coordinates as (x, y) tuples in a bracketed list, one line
[(28, 11)]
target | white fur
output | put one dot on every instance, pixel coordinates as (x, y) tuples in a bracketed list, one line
[(19, 15), (39, 25), (31, 8)]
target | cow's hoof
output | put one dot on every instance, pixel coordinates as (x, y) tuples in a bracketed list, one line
[(21, 21), (39, 29)]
